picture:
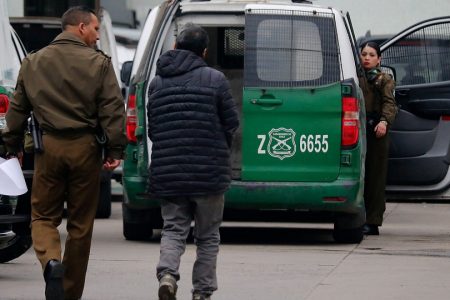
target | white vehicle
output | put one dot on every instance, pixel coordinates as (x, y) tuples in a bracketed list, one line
[(15, 235)]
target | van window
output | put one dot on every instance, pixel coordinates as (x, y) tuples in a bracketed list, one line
[(422, 56), (290, 48), (231, 48)]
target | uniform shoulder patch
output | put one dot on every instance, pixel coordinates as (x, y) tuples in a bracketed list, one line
[(103, 53)]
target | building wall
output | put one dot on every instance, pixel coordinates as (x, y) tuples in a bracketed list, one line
[(387, 16)]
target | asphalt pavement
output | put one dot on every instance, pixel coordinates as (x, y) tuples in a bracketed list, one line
[(409, 260)]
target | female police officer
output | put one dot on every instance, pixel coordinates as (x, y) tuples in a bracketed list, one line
[(378, 89)]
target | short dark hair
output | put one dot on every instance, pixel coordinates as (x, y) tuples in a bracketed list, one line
[(193, 38), (76, 15), (372, 45)]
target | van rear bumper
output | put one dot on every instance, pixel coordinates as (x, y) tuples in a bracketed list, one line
[(338, 196), (344, 196)]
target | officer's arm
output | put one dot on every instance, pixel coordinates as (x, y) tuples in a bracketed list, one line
[(111, 112), (388, 107)]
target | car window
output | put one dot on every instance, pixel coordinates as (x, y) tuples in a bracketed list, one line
[(296, 49), (36, 33), (422, 56)]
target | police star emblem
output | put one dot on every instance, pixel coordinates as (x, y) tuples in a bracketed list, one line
[(281, 143)]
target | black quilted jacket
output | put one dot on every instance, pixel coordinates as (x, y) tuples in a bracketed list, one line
[(191, 121)]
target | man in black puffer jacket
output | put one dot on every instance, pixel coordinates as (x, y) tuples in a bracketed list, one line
[(191, 121)]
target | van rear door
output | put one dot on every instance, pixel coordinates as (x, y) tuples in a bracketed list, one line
[(292, 100)]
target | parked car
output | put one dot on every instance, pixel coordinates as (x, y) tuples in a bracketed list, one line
[(38, 32), (292, 69), (420, 137), (15, 235)]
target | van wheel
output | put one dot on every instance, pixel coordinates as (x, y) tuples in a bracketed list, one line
[(104, 201), (14, 248), (348, 236), (137, 231), (348, 228), (138, 225)]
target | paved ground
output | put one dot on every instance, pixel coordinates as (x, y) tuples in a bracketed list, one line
[(409, 260)]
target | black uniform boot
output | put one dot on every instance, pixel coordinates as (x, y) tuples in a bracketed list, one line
[(53, 275)]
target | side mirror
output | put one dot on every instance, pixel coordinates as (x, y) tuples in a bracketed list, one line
[(389, 70), (125, 72)]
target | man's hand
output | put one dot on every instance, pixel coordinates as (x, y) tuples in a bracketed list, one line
[(18, 155), (110, 164), (381, 129)]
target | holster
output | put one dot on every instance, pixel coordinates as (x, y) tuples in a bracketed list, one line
[(36, 134), (102, 140)]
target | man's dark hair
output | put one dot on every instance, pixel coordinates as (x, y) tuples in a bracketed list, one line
[(193, 38), (76, 15)]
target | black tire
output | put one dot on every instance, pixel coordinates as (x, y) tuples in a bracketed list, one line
[(137, 231), (348, 236), (15, 248), (348, 228), (138, 225), (104, 201), (19, 243)]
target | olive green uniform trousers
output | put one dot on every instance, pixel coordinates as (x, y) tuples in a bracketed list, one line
[(68, 170), (375, 178)]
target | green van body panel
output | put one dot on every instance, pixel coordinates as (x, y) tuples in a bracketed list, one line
[(135, 167), (268, 191), (290, 158), (292, 134)]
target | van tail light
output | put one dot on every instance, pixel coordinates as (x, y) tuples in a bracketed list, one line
[(336, 199), (131, 123), (4, 103), (445, 118), (350, 122)]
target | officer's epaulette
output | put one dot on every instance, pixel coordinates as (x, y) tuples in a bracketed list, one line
[(103, 53)]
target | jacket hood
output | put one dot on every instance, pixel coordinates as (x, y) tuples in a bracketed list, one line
[(177, 62)]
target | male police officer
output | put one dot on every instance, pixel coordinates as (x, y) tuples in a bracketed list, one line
[(72, 90)]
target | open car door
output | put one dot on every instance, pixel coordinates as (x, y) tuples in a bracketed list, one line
[(420, 136)]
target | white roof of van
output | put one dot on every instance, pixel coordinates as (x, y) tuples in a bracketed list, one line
[(239, 5)]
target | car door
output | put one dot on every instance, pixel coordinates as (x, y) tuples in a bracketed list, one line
[(144, 75), (292, 96), (420, 136)]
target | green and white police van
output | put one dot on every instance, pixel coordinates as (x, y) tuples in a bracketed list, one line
[(292, 68)]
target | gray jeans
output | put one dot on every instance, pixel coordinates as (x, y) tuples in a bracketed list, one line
[(207, 212)]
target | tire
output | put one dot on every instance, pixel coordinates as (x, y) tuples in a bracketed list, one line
[(137, 231), (348, 228), (104, 201), (17, 246), (348, 236), (138, 225), (20, 239)]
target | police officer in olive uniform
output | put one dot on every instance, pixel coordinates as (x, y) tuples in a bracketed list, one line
[(378, 89), (72, 90)]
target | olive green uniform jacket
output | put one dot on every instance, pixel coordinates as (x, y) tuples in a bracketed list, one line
[(379, 98), (65, 97)]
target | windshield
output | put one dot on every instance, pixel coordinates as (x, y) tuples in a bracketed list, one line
[(9, 60)]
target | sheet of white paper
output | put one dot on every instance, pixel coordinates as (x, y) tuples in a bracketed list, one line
[(12, 182)]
